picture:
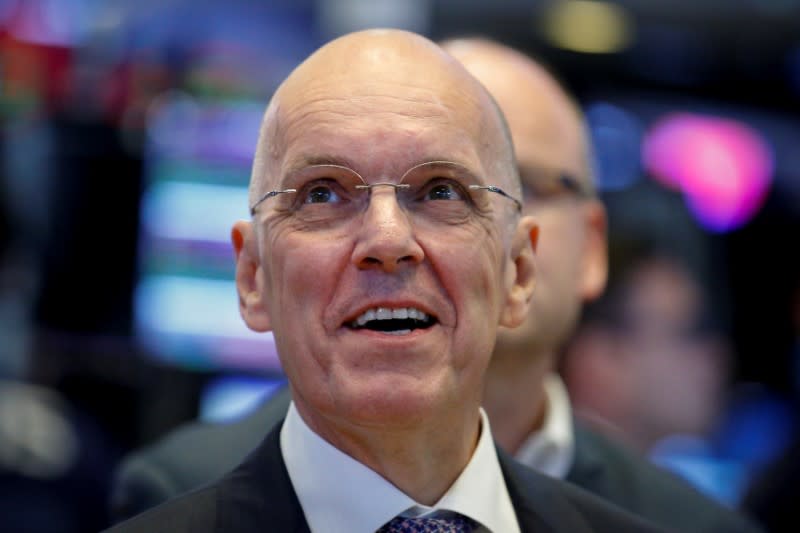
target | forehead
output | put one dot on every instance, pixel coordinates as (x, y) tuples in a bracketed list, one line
[(379, 127), (546, 126), (546, 130)]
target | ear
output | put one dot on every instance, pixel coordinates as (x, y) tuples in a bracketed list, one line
[(521, 273), (249, 277), (595, 256)]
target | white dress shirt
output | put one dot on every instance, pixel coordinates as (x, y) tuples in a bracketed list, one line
[(551, 450), (340, 495)]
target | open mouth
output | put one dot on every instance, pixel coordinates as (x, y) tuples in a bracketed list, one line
[(401, 321)]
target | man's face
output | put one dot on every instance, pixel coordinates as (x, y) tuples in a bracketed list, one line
[(316, 282), (549, 142), (677, 367), (567, 251)]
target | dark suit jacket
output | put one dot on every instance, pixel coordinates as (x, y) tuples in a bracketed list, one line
[(197, 453), (619, 475), (257, 496)]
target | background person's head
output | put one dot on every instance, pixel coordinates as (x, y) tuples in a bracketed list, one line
[(551, 143), (648, 361), (382, 102)]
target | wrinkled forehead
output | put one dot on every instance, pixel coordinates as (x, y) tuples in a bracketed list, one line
[(378, 132), (381, 126)]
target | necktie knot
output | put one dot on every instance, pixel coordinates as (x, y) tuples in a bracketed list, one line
[(454, 524)]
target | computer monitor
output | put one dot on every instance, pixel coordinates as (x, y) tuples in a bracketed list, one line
[(197, 164)]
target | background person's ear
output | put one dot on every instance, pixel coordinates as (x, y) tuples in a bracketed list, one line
[(249, 277), (520, 273), (595, 255)]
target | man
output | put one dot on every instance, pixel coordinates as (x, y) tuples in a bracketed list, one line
[(553, 158), (385, 248), (526, 403)]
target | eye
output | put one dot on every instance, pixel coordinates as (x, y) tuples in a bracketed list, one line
[(321, 193), (443, 190), (541, 189), (546, 187)]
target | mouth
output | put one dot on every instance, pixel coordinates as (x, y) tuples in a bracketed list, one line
[(393, 321)]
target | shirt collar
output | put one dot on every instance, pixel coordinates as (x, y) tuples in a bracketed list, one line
[(339, 494), (551, 450)]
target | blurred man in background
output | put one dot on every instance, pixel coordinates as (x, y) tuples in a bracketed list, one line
[(525, 399), (554, 160)]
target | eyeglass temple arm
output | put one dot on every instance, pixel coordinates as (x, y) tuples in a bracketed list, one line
[(269, 194), (498, 190)]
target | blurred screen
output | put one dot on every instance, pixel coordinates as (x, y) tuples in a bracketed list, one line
[(228, 398), (197, 164)]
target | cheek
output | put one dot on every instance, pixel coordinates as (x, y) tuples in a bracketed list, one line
[(478, 272), (474, 283), (302, 278), (560, 248)]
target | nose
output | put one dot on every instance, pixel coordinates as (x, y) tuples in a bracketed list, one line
[(386, 239)]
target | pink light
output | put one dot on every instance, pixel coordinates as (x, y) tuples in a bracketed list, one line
[(723, 167)]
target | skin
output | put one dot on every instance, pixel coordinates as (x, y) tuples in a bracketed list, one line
[(380, 102), (548, 133)]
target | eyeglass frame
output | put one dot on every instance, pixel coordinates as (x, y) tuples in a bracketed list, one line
[(401, 185)]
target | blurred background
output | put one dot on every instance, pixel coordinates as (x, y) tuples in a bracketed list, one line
[(126, 135)]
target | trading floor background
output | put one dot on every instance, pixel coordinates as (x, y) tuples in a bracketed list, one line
[(126, 136)]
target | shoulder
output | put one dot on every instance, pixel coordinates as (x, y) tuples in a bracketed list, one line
[(629, 480), (194, 512), (190, 456), (256, 492), (543, 503)]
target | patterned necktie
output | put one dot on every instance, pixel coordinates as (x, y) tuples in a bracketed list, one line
[(454, 524)]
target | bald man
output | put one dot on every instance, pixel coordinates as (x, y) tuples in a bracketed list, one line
[(525, 399), (553, 158), (386, 246)]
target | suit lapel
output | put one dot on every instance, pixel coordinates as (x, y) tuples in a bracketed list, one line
[(537, 501), (261, 493)]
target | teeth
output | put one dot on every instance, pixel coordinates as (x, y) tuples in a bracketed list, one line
[(366, 317), (384, 313)]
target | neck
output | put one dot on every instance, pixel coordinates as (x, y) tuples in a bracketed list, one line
[(514, 396), (423, 461)]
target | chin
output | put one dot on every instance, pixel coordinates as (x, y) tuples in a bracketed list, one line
[(396, 402)]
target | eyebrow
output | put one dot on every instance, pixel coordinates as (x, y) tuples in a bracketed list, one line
[(529, 175), (536, 172), (303, 161)]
